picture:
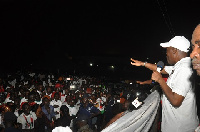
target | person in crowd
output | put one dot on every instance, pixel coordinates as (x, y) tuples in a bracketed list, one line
[(82, 124), (31, 101), (21, 92), (57, 89), (38, 99), (40, 89), (25, 98), (49, 90), (86, 108), (179, 111), (56, 103), (65, 93), (109, 107), (117, 113), (67, 100), (17, 110), (65, 118), (27, 118), (10, 122), (48, 110), (41, 122), (101, 100), (73, 108), (195, 55)]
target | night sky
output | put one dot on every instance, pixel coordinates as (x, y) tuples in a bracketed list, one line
[(55, 32)]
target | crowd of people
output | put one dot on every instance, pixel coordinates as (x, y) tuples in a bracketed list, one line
[(42, 102)]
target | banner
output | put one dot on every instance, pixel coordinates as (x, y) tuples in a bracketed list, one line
[(138, 120)]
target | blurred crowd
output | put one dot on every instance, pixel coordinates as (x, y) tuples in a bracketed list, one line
[(43, 101)]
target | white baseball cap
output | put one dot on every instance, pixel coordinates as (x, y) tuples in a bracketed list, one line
[(179, 42)]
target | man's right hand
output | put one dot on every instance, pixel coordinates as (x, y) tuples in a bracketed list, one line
[(136, 62)]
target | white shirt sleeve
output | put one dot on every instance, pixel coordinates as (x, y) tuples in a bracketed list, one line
[(168, 69), (182, 81)]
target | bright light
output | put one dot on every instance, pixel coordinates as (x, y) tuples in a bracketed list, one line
[(91, 64), (112, 67), (131, 83)]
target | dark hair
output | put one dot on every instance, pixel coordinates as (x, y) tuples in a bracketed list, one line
[(23, 106), (10, 116), (57, 93), (31, 93), (117, 108), (3, 96), (65, 110)]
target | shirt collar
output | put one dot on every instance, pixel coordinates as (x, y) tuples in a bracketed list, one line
[(185, 61)]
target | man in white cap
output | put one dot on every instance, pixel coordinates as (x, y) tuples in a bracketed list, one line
[(179, 113)]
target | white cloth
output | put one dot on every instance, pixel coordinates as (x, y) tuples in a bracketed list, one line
[(40, 93), (100, 102), (23, 100), (183, 118), (8, 100), (59, 103), (72, 110), (16, 112), (62, 98), (38, 102), (13, 82), (138, 120), (62, 129), (26, 120)]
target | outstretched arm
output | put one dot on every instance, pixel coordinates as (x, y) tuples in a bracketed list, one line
[(150, 66), (144, 82)]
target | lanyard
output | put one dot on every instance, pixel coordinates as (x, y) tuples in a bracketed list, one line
[(27, 123)]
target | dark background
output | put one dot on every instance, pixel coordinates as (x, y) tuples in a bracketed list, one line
[(68, 35)]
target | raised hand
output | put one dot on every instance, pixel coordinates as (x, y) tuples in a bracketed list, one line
[(136, 62)]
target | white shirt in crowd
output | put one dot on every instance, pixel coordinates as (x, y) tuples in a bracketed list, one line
[(73, 110), (59, 103), (27, 121)]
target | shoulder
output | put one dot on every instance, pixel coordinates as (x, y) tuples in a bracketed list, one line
[(20, 118), (51, 107), (33, 113), (21, 115)]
